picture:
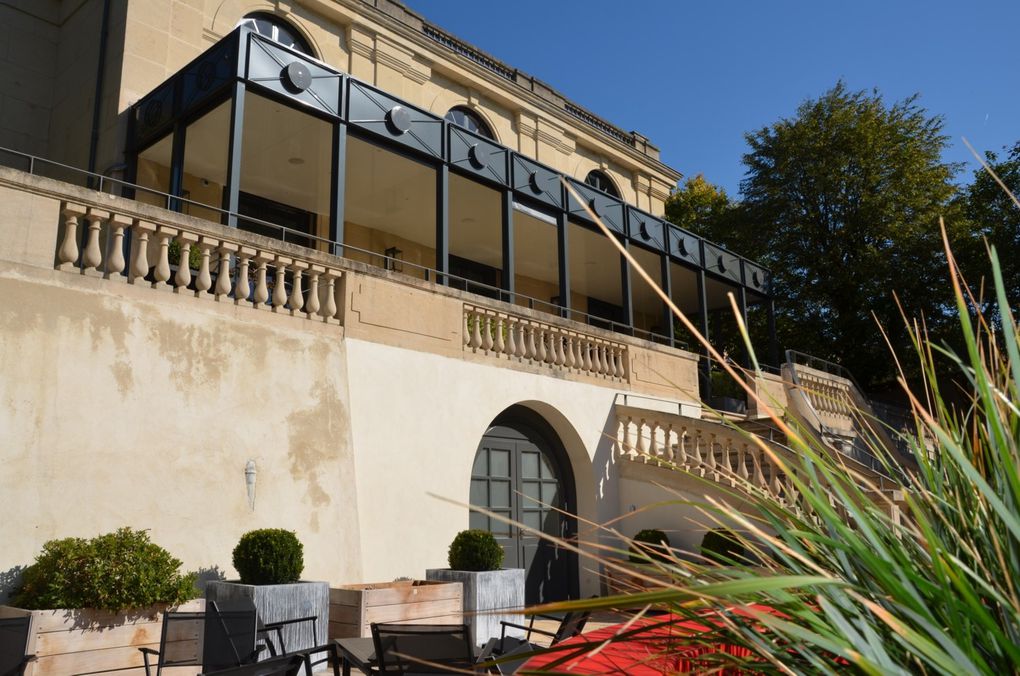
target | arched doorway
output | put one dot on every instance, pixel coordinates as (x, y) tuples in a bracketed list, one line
[(521, 472)]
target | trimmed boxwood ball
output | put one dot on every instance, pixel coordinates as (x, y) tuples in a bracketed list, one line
[(475, 549), (653, 538), (723, 546), (269, 556)]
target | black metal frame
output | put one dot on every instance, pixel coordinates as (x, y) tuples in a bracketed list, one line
[(14, 635), (395, 658), (412, 132)]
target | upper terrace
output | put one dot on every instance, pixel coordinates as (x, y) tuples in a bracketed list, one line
[(255, 135)]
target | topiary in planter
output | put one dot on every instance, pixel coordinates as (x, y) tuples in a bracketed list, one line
[(475, 549), (116, 571), (269, 556), (654, 544), (723, 546)]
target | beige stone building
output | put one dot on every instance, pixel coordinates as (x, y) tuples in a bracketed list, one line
[(320, 265)]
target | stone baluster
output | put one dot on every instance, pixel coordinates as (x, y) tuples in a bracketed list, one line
[(329, 307), (532, 348), (242, 286), (312, 304), (67, 254), (297, 292), (475, 320), (486, 322), (540, 355), (597, 366), (710, 461), (585, 355), (203, 282), (500, 342), (681, 459), (280, 284), (466, 327), (161, 271), (511, 337), (340, 290), (670, 447), (140, 252), (568, 351), (629, 446), (183, 277), (261, 294), (223, 280), (698, 463), (621, 367), (742, 462), (645, 439), (560, 357), (115, 263), (759, 477), (92, 257)]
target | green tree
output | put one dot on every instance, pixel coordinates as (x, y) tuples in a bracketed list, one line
[(699, 206), (842, 203), (995, 218)]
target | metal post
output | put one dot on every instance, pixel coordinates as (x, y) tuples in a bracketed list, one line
[(337, 200), (509, 284), (443, 224), (706, 360), (625, 290), (742, 305), (667, 287), (232, 190), (563, 260), (177, 165)]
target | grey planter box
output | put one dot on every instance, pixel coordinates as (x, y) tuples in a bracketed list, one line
[(275, 602), (485, 592)]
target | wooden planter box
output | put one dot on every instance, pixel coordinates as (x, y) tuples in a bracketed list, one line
[(354, 607), (71, 642)]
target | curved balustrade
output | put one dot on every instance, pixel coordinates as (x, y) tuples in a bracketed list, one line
[(229, 270), (708, 450), (525, 340)]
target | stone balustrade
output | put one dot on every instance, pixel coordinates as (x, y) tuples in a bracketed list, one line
[(229, 269), (520, 339), (690, 445)]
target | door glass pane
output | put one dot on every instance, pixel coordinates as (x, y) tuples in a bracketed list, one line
[(479, 521), (533, 519), (529, 465), (480, 468), (532, 493), (547, 472), (499, 462), (549, 493), (499, 493), (499, 527), (479, 494)]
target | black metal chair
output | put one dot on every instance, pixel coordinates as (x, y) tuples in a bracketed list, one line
[(277, 646), (571, 624), (221, 637), (411, 649), (288, 665), (14, 635)]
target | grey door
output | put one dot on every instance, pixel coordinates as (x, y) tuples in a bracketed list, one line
[(517, 477)]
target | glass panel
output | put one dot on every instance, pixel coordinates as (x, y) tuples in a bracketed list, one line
[(645, 301), (390, 207), (533, 519), (480, 466), (499, 462), (497, 526), (286, 164), (684, 288), (479, 521), (532, 493), (476, 236), (547, 470), (154, 171), (205, 162), (549, 493), (595, 286), (479, 492), (529, 464), (536, 262), (499, 493)]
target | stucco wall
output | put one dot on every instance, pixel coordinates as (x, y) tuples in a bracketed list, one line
[(125, 406)]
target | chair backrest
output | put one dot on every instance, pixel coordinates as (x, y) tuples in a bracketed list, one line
[(230, 629), (571, 625), (180, 643), (279, 666), (14, 634), (423, 648)]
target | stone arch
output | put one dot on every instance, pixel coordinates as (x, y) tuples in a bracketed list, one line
[(230, 12)]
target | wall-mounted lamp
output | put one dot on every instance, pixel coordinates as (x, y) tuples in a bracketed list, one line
[(393, 261), (249, 482)]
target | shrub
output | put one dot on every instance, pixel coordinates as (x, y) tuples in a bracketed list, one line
[(116, 571), (475, 549), (723, 546), (269, 556), (650, 543)]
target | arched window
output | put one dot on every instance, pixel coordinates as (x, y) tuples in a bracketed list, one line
[(600, 181), (470, 120), (277, 30)]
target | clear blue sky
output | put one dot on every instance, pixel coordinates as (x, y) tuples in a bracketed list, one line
[(695, 76)]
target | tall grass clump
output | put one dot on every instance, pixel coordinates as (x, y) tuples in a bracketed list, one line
[(853, 577)]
